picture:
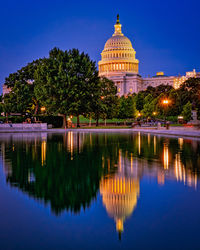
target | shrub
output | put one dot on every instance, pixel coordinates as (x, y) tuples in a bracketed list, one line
[(172, 118), (56, 121), (13, 119)]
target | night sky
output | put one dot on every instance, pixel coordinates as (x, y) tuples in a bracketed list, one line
[(165, 34)]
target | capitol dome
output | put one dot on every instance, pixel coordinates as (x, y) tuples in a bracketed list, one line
[(118, 55), (118, 42)]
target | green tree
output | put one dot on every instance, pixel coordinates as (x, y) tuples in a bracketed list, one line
[(104, 103), (1, 104), (66, 83), (175, 107), (109, 99), (139, 100), (52, 81), (148, 107), (21, 98), (190, 91), (84, 83), (127, 107), (187, 112)]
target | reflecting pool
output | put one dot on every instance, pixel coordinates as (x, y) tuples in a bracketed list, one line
[(99, 191)]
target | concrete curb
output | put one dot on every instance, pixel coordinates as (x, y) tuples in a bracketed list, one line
[(183, 133)]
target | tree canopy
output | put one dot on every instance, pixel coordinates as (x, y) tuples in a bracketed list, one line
[(65, 83)]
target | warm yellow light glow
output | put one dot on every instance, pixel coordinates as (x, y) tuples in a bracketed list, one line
[(70, 144), (180, 142), (165, 101), (149, 138), (42, 109), (154, 113), (139, 143), (139, 114), (119, 225), (166, 156), (154, 144), (120, 160), (179, 169), (119, 196), (43, 152), (160, 73)]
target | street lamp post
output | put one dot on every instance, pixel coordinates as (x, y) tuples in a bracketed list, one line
[(154, 116), (165, 103)]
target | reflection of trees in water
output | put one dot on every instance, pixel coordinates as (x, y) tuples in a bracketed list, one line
[(65, 170)]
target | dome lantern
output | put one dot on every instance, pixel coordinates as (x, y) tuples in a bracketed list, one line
[(118, 28)]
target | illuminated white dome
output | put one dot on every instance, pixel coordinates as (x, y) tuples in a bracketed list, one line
[(118, 43), (118, 54)]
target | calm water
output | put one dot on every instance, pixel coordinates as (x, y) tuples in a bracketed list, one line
[(99, 191)]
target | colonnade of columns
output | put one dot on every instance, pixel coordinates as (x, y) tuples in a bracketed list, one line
[(119, 67), (117, 55)]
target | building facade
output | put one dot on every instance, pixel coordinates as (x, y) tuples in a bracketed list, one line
[(119, 64)]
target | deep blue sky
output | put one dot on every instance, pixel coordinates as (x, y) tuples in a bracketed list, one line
[(165, 34)]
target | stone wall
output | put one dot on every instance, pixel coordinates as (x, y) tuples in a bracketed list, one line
[(23, 127)]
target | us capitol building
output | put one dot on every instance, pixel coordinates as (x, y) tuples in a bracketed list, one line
[(119, 64)]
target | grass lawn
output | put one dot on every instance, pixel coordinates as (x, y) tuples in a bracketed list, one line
[(105, 127), (86, 120)]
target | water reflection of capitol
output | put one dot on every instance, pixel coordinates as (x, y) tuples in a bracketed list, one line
[(120, 184), (120, 193)]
